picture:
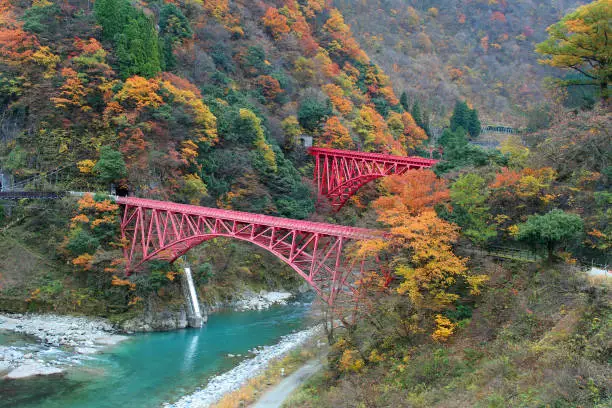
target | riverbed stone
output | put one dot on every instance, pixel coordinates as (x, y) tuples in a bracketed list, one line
[(250, 300), (31, 370), (109, 340), (86, 350), (9, 354), (156, 320)]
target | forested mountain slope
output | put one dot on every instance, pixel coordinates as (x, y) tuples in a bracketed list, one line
[(199, 102), (479, 50), (209, 102), (198, 97)]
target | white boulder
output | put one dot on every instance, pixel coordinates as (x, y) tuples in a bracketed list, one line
[(31, 370)]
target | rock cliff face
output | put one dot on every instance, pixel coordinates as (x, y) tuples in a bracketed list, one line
[(159, 315), (156, 320), (250, 300)]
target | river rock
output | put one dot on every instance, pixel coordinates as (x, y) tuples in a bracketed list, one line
[(109, 340), (58, 330), (9, 354), (262, 300), (4, 366), (31, 370), (86, 350)]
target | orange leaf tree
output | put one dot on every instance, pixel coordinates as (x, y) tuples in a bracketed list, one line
[(420, 245), (406, 131), (335, 135), (275, 22), (374, 132)]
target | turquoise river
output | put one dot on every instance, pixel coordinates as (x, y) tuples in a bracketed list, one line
[(150, 369)]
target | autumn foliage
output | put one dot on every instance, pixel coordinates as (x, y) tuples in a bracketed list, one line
[(335, 135), (275, 22), (421, 244), (338, 99)]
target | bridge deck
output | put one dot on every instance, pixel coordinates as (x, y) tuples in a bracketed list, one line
[(245, 217), (373, 156)]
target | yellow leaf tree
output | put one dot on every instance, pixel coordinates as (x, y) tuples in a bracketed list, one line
[(420, 244), (581, 42)]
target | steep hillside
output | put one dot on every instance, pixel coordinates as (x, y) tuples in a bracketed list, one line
[(481, 51), (538, 337), (204, 101), (198, 102)]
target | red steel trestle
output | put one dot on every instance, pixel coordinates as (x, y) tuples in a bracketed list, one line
[(340, 173), (316, 251)]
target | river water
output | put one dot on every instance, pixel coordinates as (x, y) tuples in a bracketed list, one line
[(150, 369)]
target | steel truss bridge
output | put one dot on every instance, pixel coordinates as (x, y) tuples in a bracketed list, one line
[(318, 252), (339, 174)]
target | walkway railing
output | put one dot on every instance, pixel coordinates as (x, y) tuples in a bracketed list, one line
[(33, 195)]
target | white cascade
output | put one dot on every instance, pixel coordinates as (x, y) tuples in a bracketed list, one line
[(195, 320)]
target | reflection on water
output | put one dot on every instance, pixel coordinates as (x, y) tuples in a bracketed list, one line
[(190, 352), (155, 367)]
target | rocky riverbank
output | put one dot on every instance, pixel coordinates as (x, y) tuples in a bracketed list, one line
[(158, 317), (62, 340), (239, 375), (250, 300)]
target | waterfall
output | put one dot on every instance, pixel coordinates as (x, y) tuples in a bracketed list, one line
[(195, 316)]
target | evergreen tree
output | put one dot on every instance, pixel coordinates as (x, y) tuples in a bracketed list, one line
[(466, 118), (136, 41), (111, 166), (382, 106), (312, 113), (553, 228), (404, 101), (461, 116), (453, 140), (113, 16), (425, 121), (474, 124), (173, 28), (173, 23), (416, 114), (168, 60), (138, 48), (42, 19)]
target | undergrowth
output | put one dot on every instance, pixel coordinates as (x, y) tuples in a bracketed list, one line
[(540, 336)]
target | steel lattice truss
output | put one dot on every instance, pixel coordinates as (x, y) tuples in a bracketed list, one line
[(340, 173), (316, 251)]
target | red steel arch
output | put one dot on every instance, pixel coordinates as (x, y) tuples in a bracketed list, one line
[(165, 230), (340, 173)]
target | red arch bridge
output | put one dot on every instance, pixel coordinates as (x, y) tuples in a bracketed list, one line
[(316, 251), (340, 173)]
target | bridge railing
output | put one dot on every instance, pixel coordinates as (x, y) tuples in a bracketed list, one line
[(518, 254), (33, 195), (501, 252)]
